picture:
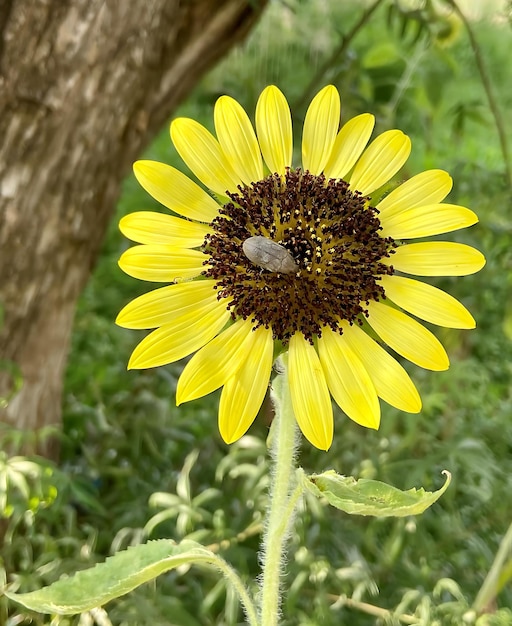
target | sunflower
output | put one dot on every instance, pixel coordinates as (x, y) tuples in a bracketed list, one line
[(310, 261)]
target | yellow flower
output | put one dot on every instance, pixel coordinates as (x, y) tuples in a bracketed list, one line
[(322, 262)]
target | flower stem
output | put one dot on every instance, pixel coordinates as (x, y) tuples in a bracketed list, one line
[(237, 584), (281, 502), (495, 579)]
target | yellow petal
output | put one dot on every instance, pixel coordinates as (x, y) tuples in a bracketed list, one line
[(430, 187), (427, 302), (348, 381), (391, 381), (157, 228), (175, 190), (164, 305), (216, 362), (243, 394), (320, 129), (161, 263), (274, 128), (203, 155), (309, 392), (175, 341), (349, 144), (407, 337), (238, 140), (380, 161), (424, 221), (436, 258)]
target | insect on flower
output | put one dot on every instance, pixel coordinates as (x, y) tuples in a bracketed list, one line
[(269, 255), (332, 253)]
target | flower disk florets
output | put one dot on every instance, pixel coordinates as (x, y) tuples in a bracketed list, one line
[(333, 236)]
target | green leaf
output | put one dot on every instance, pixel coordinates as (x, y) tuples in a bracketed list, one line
[(381, 54), (119, 574), (371, 497)]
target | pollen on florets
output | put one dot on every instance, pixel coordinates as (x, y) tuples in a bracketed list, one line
[(333, 236)]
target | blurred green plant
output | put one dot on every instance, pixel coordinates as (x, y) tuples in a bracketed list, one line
[(24, 484)]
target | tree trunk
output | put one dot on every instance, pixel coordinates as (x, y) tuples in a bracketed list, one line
[(84, 86)]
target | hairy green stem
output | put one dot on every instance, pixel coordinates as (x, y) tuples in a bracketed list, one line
[(281, 502), (232, 577), (489, 92)]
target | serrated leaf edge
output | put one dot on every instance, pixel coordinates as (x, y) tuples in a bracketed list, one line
[(192, 552), (389, 511)]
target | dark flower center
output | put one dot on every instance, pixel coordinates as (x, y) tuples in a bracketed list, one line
[(333, 236)]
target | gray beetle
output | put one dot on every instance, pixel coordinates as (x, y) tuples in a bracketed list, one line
[(269, 255)]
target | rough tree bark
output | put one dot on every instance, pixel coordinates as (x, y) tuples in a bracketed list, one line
[(84, 85)]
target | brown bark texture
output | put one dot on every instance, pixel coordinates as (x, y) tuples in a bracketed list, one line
[(84, 85)]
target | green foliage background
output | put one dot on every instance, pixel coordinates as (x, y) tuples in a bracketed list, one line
[(135, 467)]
